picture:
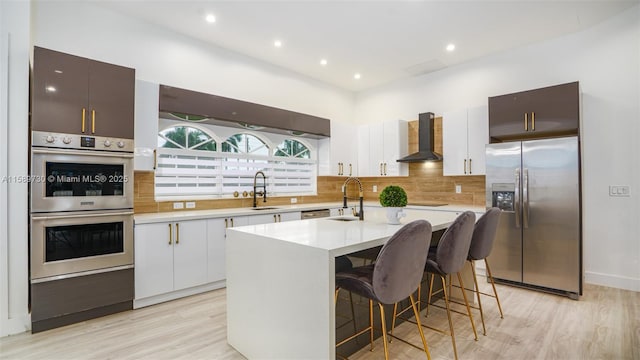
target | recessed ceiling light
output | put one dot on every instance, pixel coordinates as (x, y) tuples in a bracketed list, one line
[(357, 76), (50, 88), (277, 43), (451, 47), (323, 62), (210, 18), (57, 71)]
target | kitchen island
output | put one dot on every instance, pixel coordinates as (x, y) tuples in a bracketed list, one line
[(281, 280)]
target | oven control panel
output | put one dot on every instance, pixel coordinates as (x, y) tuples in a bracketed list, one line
[(80, 142)]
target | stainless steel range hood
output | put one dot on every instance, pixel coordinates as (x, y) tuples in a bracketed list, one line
[(425, 141)]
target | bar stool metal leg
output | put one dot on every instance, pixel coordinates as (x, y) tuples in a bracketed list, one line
[(475, 281), (494, 287)]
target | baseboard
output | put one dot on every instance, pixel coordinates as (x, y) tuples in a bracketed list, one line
[(614, 281), (15, 325), (138, 303)]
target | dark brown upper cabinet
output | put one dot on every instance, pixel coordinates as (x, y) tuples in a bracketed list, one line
[(545, 112), (75, 95)]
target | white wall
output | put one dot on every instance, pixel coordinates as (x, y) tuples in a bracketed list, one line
[(14, 116), (606, 61), (165, 57)]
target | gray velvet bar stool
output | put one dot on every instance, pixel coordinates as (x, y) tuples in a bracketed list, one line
[(395, 275), (484, 234), (448, 258)]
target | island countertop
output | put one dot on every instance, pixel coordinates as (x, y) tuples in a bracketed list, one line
[(290, 267)]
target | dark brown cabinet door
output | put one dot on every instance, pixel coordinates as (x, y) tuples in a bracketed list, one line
[(60, 92), (550, 111), (75, 95), (111, 100)]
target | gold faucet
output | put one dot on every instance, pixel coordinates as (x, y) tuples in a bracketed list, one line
[(359, 214)]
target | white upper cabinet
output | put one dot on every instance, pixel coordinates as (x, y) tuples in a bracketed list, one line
[(338, 154), (146, 124), (464, 136), (380, 145)]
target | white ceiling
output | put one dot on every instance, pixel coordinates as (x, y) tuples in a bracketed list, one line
[(382, 40)]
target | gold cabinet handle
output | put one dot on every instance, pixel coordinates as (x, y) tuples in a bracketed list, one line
[(380, 168), (93, 121), (385, 169), (470, 167), (274, 218), (155, 159), (465, 166), (84, 115), (279, 218), (170, 234), (350, 169), (226, 223), (533, 121), (177, 233), (526, 122)]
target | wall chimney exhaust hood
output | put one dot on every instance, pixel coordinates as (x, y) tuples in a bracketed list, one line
[(425, 141), (182, 104)]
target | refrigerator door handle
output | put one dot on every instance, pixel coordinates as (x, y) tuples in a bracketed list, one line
[(517, 205), (525, 195)]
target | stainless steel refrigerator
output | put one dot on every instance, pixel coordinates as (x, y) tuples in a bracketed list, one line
[(539, 241)]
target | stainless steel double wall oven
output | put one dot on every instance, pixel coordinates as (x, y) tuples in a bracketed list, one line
[(81, 215)]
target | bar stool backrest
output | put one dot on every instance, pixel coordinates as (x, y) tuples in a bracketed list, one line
[(484, 234), (453, 248), (400, 263)]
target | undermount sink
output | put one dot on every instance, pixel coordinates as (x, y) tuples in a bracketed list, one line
[(264, 208), (343, 219)]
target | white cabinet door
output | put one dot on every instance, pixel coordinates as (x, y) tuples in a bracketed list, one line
[(395, 136), (478, 138), (190, 254), (153, 259), (454, 142), (464, 136), (216, 245), (146, 124), (379, 146), (338, 155), (262, 219), (289, 216)]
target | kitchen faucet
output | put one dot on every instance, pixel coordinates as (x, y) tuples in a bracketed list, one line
[(262, 193), (359, 214)]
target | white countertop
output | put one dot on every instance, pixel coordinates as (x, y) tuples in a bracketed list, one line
[(343, 237), (183, 215)]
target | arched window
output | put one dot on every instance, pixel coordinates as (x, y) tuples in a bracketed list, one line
[(245, 144), (186, 137), (294, 149)]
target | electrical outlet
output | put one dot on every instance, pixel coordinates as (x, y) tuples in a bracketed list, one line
[(191, 205), (619, 190), (178, 205), (375, 188), (458, 189), (294, 200)]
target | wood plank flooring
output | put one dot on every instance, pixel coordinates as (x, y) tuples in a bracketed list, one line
[(604, 324)]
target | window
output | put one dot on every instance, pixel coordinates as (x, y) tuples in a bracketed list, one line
[(186, 162), (292, 168), (190, 162)]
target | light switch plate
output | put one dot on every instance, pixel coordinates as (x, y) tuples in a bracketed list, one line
[(191, 205), (178, 205), (375, 188), (294, 200), (458, 189), (619, 190)]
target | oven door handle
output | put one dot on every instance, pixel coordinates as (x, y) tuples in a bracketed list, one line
[(82, 152), (76, 216)]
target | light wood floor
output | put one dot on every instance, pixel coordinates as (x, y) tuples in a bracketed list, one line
[(604, 324)]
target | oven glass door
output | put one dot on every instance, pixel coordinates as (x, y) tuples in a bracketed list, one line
[(72, 180), (67, 243)]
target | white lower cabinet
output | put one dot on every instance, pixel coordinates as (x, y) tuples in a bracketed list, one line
[(273, 218), (169, 257), (216, 248)]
